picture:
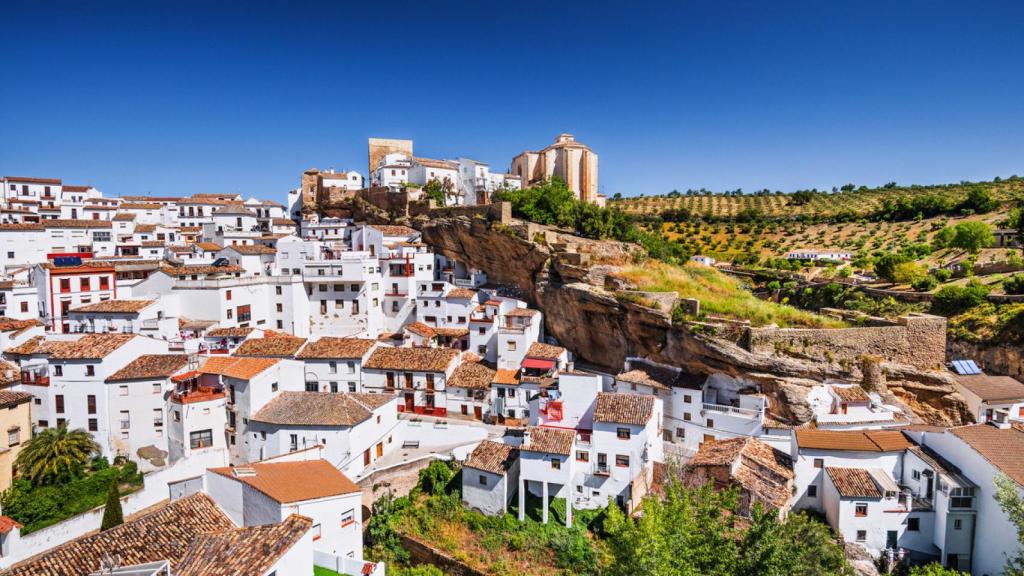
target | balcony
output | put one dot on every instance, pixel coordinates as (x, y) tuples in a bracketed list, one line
[(602, 469), (35, 379), (197, 394), (732, 410)]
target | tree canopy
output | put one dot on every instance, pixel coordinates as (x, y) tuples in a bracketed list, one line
[(56, 455)]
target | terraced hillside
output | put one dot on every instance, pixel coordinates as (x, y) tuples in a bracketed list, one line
[(848, 202)]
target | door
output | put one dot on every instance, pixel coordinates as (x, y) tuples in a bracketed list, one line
[(366, 458), (380, 449), (890, 539), (408, 380), (709, 438), (409, 402), (928, 490), (478, 412)]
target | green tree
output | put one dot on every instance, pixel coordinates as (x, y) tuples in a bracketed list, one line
[(908, 272), (943, 237), (979, 200), (434, 191), (952, 300), (885, 265), (1009, 499), (435, 477), (972, 236), (56, 455), (112, 514), (934, 569)]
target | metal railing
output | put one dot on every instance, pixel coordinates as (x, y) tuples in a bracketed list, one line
[(723, 409)]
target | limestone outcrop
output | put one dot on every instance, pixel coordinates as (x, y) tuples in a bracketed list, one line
[(568, 278)]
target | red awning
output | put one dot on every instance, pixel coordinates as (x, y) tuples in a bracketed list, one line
[(538, 363)]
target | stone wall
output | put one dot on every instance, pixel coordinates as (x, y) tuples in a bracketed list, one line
[(423, 553), (498, 211), (918, 340)]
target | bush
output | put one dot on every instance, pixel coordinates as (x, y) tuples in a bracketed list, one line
[(941, 274), (924, 284), (952, 300), (972, 236), (435, 477), (908, 273), (1014, 284)]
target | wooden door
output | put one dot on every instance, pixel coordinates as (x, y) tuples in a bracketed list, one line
[(366, 458), (380, 449), (478, 412), (409, 402)]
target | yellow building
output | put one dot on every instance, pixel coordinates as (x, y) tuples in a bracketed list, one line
[(15, 428)]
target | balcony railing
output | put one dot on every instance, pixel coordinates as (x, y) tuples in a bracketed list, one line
[(602, 469), (723, 409), (35, 379)]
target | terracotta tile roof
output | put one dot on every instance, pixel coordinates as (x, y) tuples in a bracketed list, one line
[(234, 209), (320, 479), (201, 270), (239, 368), (853, 482), (619, 408), (279, 346), (461, 293), (251, 550), (647, 375), (90, 346), (506, 377), (150, 366), (421, 329), (394, 230), (32, 180), (21, 226), (65, 223), (440, 164), (523, 312), (252, 249), (1003, 448), (10, 398), (208, 246), (851, 393), (471, 375), (98, 207), (320, 409), (852, 440), (329, 347), (549, 440), (35, 345), (140, 206), (124, 217), (412, 359), (145, 228), (761, 470), (163, 534), (992, 388), (17, 326), (153, 244), (10, 373), (7, 524), (493, 457), (229, 332), (282, 222), (545, 351), (451, 332), (121, 306)]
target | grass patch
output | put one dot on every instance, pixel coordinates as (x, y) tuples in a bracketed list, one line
[(321, 571), (720, 295)]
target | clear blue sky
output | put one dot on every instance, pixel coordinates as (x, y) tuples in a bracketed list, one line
[(182, 98)]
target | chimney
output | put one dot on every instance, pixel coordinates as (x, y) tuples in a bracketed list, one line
[(570, 366)]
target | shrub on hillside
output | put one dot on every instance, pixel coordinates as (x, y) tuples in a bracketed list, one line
[(925, 283), (1014, 284), (952, 300)]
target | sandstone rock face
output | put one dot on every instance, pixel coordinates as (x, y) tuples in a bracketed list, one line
[(568, 279), (1002, 359)]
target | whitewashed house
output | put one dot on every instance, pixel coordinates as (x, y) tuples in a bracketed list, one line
[(490, 477), (335, 364), (419, 375)]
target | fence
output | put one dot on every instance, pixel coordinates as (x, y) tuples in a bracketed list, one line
[(343, 565)]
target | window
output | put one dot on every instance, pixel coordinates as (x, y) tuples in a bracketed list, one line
[(961, 498), (860, 509), (556, 463), (332, 367), (230, 313), (711, 423), (582, 456), (483, 480), (126, 421), (104, 283), (277, 290), (348, 517), (244, 313), (14, 436), (93, 425), (280, 324), (812, 491), (90, 402), (59, 403), (157, 388), (686, 416), (622, 433), (24, 306), (227, 294), (350, 367), (85, 284), (958, 524), (312, 386), (622, 460), (680, 432), (511, 345), (819, 463), (201, 439), (122, 390), (273, 386), (916, 474), (65, 285), (280, 307), (90, 370), (158, 417), (293, 442), (862, 535), (58, 370), (316, 532), (913, 524), (687, 398)]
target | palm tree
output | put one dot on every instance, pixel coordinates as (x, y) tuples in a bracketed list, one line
[(56, 454)]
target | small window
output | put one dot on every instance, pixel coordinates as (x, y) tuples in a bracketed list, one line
[(316, 532), (273, 386), (680, 433), (122, 390), (157, 388), (582, 456), (958, 524), (58, 370), (819, 463), (622, 460), (511, 345), (93, 425), (348, 517), (711, 423), (686, 416), (227, 294), (916, 474), (483, 480), (860, 509), (90, 370), (862, 535), (812, 491), (622, 433), (14, 436), (556, 464), (913, 524)]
